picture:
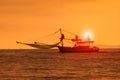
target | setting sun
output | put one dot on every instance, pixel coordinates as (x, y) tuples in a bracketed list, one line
[(88, 35), (28, 20)]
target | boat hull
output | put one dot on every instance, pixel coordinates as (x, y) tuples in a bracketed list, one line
[(78, 49)]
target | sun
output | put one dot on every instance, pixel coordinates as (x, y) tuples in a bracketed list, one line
[(88, 35)]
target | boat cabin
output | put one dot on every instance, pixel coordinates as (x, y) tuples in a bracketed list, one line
[(80, 43)]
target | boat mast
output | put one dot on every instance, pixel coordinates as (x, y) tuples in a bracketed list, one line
[(61, 37)]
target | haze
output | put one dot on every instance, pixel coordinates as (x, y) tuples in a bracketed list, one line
[(27, 20)]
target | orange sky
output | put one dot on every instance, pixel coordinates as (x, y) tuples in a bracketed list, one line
[(28, 20)]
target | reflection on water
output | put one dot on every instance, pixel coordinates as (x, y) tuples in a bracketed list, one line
[(52, 65)]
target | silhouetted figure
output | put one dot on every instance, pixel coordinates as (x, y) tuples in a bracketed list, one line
[(76, 40), (62, 37)]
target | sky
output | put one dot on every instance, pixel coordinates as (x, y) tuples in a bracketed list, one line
[(28, 20)]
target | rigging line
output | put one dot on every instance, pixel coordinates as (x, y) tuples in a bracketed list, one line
[(69, 32), (50, 34)]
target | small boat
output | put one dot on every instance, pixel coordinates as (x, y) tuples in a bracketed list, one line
[(79, 45)]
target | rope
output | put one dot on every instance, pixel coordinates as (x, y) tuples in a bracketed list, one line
[(53, 34), (50, 34), (69, 32), (57, 32)]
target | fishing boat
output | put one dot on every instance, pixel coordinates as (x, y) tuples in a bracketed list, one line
[(80, 48), (79, 44)]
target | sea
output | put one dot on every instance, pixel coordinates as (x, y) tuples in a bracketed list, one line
[(35, 64)]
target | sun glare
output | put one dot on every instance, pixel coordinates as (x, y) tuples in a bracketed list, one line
[(88, 35)]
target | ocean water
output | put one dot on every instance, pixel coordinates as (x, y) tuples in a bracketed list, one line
[(23, 64)]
